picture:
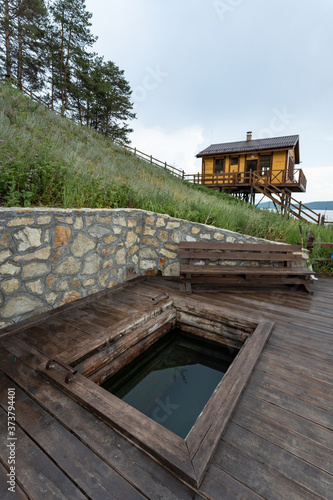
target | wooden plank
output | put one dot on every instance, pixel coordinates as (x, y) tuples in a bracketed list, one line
[(258, 247), (321, 387), (294, 405), (166, 447), (316, 434), (245, 270), (319, 369), (129, 461), (301, 392), (23, 351), (5, 493), (110, 334), (257, 476), (103, 373), (205, 434), (209, 335), (32, 465), (275, 433), (66, 308), (251, 256), (47, 347), (217, 483), (285, 463), (87, 470), (121, 343), (218, 328)]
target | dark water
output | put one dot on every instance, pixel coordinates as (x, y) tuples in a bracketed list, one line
[(172, 381)]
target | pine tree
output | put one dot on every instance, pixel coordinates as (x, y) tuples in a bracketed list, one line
[(112, 106), (22, 25), (7, 17), (71, 35)]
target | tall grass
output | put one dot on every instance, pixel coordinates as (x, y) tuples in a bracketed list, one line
[(47, 160)]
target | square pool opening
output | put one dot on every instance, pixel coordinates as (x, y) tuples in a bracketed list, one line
[(168, 379), (172, 381)]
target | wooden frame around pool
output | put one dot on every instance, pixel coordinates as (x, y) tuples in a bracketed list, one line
[(187, 458)]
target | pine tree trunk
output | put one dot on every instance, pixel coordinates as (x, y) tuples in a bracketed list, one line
[(7, 38), (19, 56)]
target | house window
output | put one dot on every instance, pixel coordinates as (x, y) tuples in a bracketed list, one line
[(265, 164), (219, 165), (234, 160)]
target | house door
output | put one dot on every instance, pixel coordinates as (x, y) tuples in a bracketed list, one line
[(251, 165)]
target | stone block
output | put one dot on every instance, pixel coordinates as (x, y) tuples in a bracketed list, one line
[(42, 254), (44, 219), (172, 225), (98, 231), (35, 270), (150, 220), (163, 236), (61, 236), (20, 221), (133, 250), (82, 245), (17, 306), (160, 222), (69, 266), (168, 254), (5, 255), (4, 239), (150, 242), (91, 264), (75, 283), (147, 264), (121, 257), (26, 238), (108, 240), (36, 287), (149, 231), (9, 269), (70, 296), (172, 270), (120, 221), (131, 239), (147, 253), (176, 237), (10, 286), (51, 298), (78, 223)]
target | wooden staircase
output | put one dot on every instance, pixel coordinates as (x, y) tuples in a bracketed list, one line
[(284, 202)]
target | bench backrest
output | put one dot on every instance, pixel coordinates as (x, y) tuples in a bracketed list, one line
[(240, 251)]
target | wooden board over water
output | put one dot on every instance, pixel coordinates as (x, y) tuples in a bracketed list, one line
[(278, 443)]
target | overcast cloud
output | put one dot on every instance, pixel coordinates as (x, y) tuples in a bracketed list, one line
[(207, 71)]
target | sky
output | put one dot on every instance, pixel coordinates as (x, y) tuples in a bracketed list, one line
[(207, 71)]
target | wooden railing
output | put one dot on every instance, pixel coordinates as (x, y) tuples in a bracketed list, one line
[(286, 202), (248, 178), (154, 161)]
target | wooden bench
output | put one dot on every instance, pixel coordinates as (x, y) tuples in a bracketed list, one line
[(246, 264)]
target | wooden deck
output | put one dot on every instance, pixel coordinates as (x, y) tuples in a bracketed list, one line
[(277, 445)]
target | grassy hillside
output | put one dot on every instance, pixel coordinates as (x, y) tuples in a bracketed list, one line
[(47, 160)]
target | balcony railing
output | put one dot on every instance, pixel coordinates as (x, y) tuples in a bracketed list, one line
[(236, 179)]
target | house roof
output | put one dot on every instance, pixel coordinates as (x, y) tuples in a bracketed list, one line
[(285, 142)]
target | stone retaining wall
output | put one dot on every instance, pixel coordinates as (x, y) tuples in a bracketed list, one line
[(49, 257)]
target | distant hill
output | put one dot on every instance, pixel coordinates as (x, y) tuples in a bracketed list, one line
[(314, 205)]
